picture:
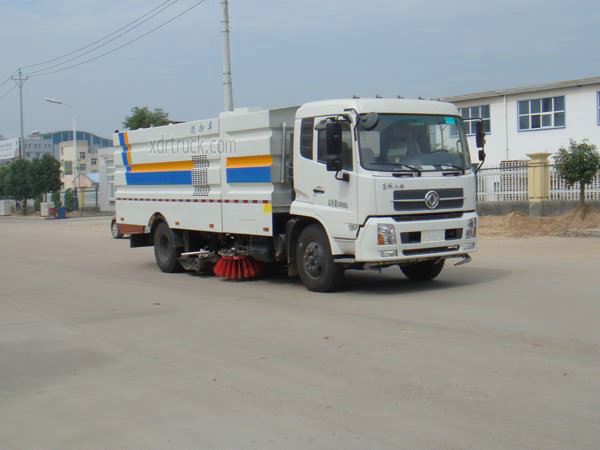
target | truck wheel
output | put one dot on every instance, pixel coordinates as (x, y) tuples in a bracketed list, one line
[(423, 271), (315, 264), (165, 253), (114, 230)]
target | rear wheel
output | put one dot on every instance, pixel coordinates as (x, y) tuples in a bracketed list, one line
[(315, 263), (165, 252), (423, 271), (114, 230)]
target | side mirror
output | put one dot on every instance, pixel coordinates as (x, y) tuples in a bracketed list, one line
[(481, 155), (334, 138), (480, 135)]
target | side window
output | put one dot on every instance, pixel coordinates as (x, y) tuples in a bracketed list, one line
[(306, 137), (346, 147)]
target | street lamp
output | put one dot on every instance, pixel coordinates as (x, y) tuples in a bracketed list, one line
[(76, 162)]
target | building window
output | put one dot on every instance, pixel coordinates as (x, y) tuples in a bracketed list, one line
[(81, 155), (542, 113), (82, 167), (476, 112), (68, 167), (93, 162), (307, 129)]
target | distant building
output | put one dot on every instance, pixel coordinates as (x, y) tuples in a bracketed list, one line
[(72, 164), (9, 150), (532, 119), (106, 190), (38, 144), (34, 147), (67, 135)]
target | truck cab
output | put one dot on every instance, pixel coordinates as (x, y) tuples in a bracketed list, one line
[(389, 181)]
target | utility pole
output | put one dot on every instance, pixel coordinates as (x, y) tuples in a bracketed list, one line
[(227, 84), (20, 82)]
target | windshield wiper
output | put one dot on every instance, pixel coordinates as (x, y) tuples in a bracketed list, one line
[(452, 166), (403, 168), (411, 169)]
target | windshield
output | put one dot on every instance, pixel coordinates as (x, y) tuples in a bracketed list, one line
[(402, 142)]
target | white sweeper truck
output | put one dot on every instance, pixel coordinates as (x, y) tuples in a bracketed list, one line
[(319, 189)]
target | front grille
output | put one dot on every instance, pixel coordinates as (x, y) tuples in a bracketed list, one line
[(432, 216), (428, 251), (414, 200)]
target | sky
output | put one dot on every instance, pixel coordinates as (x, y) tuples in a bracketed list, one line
[(283, 53)]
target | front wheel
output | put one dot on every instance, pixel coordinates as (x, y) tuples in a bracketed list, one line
[(423, 271), (114, 230), (165, 252), (315, 263)]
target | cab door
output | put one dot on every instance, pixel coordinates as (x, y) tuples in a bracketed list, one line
[(319, 193)]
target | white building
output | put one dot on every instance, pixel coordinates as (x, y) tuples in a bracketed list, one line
[(533, 119), (85, 162), (34, 146), (106, 172)]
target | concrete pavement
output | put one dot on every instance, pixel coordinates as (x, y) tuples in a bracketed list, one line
[(98, 349)]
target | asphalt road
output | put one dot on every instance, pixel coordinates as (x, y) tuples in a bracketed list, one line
[(98, 349)]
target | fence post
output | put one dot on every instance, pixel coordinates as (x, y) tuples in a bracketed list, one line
[(538, 174), (81, 198)]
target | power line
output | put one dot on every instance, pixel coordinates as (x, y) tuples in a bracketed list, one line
[(5, 81), (123, 45), (8, 92), (98, 40), (93, 49)]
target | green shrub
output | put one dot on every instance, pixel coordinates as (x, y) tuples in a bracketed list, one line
[(69, 200)]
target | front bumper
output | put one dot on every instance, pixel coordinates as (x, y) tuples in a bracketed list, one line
[(416, 239)]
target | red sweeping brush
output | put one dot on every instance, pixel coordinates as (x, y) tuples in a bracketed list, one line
[(238, 267)]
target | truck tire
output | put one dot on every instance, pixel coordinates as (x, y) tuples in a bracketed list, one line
[(114, 230), (315, 263), (164, 252), (423, 271)]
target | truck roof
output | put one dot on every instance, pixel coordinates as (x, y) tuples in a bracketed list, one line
[(379, 105)]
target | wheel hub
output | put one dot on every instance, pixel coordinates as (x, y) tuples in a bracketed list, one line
[(314, 259)]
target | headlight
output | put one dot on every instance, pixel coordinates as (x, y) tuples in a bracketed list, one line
[(386, 234), (471, 229)]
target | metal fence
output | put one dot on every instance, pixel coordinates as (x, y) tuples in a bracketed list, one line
[(88, 197), (507, 183), (558, 189)]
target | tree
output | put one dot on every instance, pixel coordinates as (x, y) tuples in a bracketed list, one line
[(17, 182), (3, 172), (579, 163), (45, 175), (144, 118)]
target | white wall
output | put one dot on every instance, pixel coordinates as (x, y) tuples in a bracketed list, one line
[(106, 168), (506, 142)]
